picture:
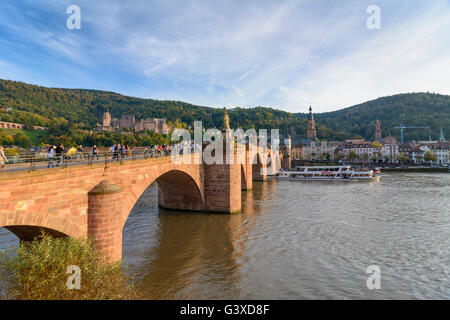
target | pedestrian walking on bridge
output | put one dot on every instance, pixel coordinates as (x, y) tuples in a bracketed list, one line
[(59, 154), (50, 155), (94, 152)]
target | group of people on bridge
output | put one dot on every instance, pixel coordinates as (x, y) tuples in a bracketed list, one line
[(58, 156)]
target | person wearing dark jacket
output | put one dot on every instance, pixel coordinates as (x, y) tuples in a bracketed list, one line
[(94, 152), (116, 152)]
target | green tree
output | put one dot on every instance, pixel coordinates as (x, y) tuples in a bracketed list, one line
[(377, 144), (21, 140), (403, 158), (374, 158), (340, 155), (352, 155), (429, 156)]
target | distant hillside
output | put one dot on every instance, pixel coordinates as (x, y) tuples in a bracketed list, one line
[(411, 109), (43, 106)]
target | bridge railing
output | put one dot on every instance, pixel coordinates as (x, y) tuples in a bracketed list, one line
[(42, 160)]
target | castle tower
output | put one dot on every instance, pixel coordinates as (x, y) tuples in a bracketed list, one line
[(311, 131), (377, 131)]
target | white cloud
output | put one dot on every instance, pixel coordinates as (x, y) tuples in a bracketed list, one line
[(410, 57)]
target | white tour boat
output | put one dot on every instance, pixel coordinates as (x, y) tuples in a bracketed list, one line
[(327, 173)]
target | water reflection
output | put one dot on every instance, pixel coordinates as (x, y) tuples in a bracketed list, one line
[(197, 254), (297, 240)]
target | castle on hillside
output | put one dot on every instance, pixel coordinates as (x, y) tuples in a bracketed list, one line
[(128, 121)]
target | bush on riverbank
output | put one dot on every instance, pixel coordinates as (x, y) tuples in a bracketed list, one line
[(37, 270)]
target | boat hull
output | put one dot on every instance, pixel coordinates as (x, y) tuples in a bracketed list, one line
[(374, 178)]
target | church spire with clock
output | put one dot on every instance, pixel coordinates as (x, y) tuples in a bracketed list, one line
[(377, 131), (311, 131)]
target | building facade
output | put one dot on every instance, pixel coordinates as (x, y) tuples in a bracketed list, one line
[(318, 151), (441, 151), (297, 153), (364, 149)]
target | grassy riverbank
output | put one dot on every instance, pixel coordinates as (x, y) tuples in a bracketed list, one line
[(35, 136)]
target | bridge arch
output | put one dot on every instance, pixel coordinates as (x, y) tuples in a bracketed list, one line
[(27, 225), (29, 233), (178, 189)]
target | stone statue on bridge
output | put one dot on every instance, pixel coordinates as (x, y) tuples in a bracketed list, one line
[(226, 119)]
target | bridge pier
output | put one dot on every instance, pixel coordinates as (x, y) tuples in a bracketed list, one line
[(259, 173), (286, 162), (222, 188), (105, 220)]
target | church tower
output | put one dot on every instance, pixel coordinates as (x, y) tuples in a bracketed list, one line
[(377, 131), (441, 136), (311, 131)]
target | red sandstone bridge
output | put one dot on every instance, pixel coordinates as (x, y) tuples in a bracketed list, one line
[(94, 201)]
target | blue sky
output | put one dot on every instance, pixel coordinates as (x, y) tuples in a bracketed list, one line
[(218, 53)]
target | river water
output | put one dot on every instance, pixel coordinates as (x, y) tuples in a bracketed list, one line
[(298, 240)]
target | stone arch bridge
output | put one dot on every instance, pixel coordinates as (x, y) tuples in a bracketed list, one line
[(95, 201)]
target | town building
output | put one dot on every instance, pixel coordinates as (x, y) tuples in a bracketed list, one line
[(390, 148), (318, 151), (418, 154), (364, 149), (297, 153), (415, 151), (441, 151), (407, 150)]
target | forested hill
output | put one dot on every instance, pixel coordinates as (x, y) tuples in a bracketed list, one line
[(411, 109), (37, 105)]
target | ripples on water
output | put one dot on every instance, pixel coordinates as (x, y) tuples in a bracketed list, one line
[(298, 240)]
